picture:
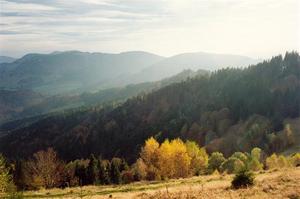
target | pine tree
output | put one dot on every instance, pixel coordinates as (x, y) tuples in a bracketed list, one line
[(115, 170), (93, 170), (104, 172), (80, 172)]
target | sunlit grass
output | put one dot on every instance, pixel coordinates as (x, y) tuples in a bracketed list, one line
[(267, 183)]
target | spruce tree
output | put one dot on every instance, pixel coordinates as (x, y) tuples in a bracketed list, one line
[(104, 172), (115, 170), (93, 170)]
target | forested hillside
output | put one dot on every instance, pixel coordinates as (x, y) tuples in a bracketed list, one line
[(19, 104), (229, 110)]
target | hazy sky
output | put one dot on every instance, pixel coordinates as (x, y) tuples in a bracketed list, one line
[(257, 28)]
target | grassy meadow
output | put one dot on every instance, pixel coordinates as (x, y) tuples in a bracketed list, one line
[(268, 184)]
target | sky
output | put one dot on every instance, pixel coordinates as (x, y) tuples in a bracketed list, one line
[(256, 28)]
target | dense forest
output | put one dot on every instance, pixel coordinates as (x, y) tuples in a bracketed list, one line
[(230, 110), (20, 104)]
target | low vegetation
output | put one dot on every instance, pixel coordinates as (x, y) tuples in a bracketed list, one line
[(279, 183), (242, 179), (172, 159)]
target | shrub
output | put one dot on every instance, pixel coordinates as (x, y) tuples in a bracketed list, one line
[(282, 162), (272, 161), (139, 169), (242, 179), (153, 174), (295, 160), (232, 165), (254, 165), (241, 156), (127, 176)]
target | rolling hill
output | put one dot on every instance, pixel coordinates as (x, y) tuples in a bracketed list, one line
[(230, 110), (195, 61), (74, 71), (61, 72), (6, 59)]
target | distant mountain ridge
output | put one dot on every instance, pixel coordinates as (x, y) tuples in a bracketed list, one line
[(61, 72), (194, 61), (6, 59), (65, 71)]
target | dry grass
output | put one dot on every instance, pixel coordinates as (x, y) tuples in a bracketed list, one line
[(268, 184), (276, 184)]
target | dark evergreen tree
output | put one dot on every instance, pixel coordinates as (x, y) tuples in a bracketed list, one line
[(124, 165), (115, 172), (18, 174), (80, 172), (93, 170), (104, 172)]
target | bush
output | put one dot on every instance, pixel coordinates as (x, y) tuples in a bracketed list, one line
[(232, 165), (295, 160), (139, 170), (243, 179), (127, 176), (272, 161)]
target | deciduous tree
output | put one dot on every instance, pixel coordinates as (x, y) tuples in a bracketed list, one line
[(215, 161), (5, 177), (44, 170), (199, 158)]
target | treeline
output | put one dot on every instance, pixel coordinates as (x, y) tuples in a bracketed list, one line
[(170, 159), (176, 159), (46, 170)]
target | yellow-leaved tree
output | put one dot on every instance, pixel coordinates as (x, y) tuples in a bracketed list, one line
[(173, 159), (180, 157), (165, 160), (149, 155)]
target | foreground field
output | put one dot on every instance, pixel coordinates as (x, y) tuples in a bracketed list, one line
[(268, 184)]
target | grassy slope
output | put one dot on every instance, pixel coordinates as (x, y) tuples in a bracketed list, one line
[(268, 184)]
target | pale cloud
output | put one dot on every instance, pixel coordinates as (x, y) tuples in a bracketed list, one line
[(256, 28)]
